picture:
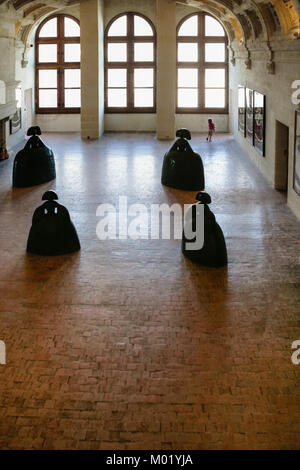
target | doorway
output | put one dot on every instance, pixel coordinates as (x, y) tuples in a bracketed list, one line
[(27, 109), (281, 157)]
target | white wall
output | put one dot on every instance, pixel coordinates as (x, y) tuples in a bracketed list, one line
[(199, 122), (130, 122), (58, 122)]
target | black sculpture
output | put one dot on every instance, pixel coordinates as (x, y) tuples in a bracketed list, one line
[(34, 164), (52, 231), (214, 251), (183, 168)]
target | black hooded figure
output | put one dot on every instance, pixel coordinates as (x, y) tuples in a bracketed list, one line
[(35, 163), (214, 252), (182, 167), (52, 231)]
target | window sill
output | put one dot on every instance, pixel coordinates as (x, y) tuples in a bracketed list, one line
[(202, 111), (58, 111), (127, 111)]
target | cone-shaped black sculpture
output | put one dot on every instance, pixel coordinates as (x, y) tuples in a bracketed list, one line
[(52, 231), (35, 163), (183, 168), (214, 252)]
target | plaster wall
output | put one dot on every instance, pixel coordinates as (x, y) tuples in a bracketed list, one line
[(199, 122), (58, 122), (130, 122)]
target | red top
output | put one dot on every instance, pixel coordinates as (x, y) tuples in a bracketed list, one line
[(211, 126)]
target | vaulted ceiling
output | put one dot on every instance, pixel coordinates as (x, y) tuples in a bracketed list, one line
[(245, 20)]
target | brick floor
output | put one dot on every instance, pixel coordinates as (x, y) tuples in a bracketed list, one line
[(127, 345)]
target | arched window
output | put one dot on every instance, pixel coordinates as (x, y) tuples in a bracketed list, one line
[(130, 65), (57, 60), (202, 65)]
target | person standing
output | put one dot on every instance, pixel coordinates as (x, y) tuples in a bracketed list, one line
[(211, 130)]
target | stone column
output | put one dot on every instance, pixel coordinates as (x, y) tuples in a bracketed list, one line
[(166, 68), (92, 68)]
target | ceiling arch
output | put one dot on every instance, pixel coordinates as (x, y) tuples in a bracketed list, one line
[(246, 21), (255, 19)]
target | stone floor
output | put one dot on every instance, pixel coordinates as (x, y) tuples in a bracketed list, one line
[(127, 345)]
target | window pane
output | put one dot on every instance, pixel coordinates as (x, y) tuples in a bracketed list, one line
[(49, 30), (187, 52), (214, 52), (117, 98), (71, 28), (72, 78), (143, 97), (215, 78), (72, 52), (47, 53), (118, 27), (117, 77), (213, 27), (143, 52), (143, 77), (72, 98), (187, 77), (189, 27), (142, 27), (215, 98), (48, 98), (47, 78), (187, 98), (117, 52)]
